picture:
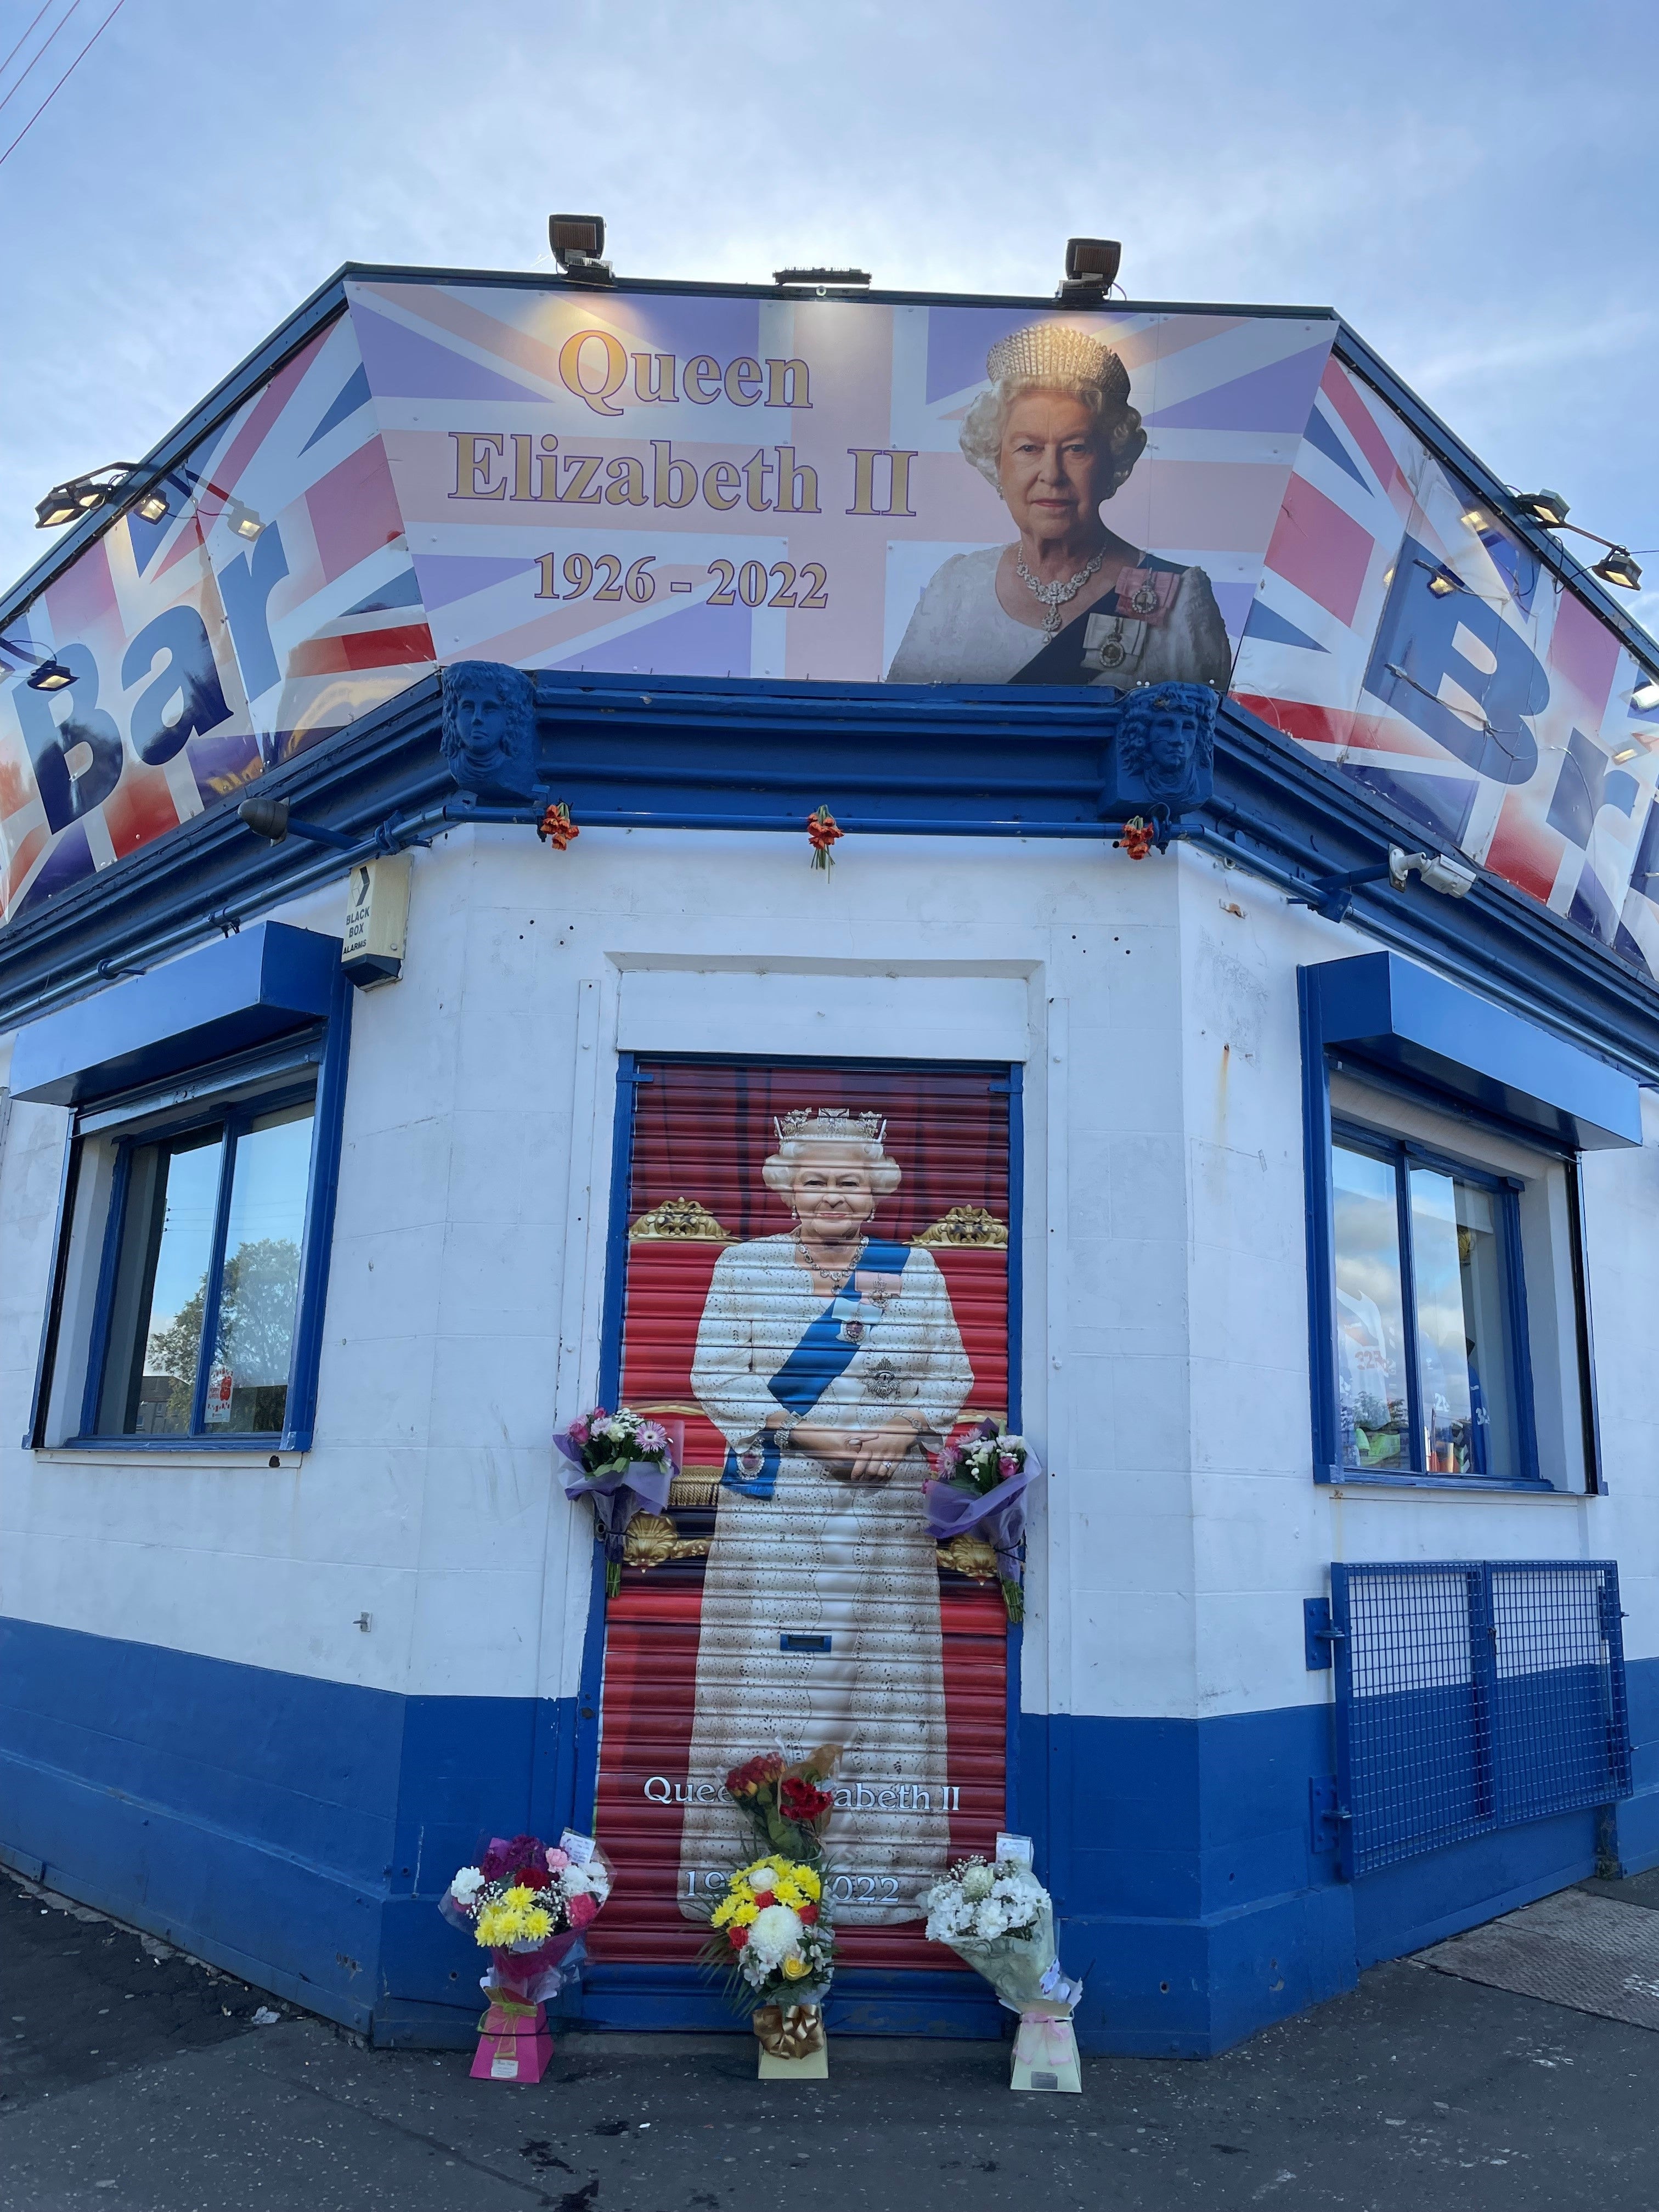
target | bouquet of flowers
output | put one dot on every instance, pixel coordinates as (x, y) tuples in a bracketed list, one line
[(771, 1931), (787, 1806), (1001, 1919), (770, 1935), (527, 1904), (625, 1464), (980, 1484)]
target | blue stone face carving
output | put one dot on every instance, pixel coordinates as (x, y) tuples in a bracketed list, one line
[(1165, 751), (489, 728)]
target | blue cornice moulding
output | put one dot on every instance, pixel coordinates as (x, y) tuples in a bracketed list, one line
[(1391, 1014), (706, 747), (265, 982)]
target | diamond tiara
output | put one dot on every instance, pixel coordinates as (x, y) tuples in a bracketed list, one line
[(830, 1123), (1055, 353)]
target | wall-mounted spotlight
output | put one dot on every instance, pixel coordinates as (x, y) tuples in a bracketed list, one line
[(154, 504), (578, 244), (242, 519), (270, 818), (1546, 506), (78, 495), (1092, 265), (50, 676), (1645, 697)]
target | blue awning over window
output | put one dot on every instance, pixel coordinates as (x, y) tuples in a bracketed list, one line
[(1382, 1009), (266, 982)]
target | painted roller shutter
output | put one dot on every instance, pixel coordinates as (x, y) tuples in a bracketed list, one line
[(700, 1132)]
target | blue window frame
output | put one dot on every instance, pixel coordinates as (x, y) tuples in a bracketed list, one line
[(1433, 1376), (199, 1309), (1418, 1256), (197, 1206)]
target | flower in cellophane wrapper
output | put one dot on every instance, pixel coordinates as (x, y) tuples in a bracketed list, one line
[(770, 1933), (980, 1482), (625, 1463), (529, 1904), (1000, 1920)]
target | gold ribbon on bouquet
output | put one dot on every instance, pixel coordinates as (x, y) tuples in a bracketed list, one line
[(511, 2011), (790, 2031)]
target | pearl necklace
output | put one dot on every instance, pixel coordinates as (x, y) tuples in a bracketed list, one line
[(1055, 596)]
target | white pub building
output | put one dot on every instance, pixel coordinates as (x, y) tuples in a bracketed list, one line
[(828, 866)]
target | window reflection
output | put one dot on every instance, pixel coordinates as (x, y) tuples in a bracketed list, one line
[(160, 1287), (1464, 1378), (259, 1287), (1370, 1333)]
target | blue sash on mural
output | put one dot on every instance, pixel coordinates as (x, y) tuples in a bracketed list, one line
[(824, 1353)]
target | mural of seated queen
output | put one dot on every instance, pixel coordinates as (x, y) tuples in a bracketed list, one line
[(1069, 601)]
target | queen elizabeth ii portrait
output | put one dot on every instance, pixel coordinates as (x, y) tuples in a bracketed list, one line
[(828, 1358), (1069, 601)]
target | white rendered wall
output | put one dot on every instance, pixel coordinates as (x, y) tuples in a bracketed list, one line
[(1165, 1353)]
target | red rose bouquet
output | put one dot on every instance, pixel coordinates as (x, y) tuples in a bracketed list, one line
[(787, 1806)]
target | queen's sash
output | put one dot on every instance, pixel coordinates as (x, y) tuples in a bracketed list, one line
[(825, 1353)]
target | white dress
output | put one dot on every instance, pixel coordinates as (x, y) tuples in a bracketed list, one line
[(961, 633), (821, 1559)]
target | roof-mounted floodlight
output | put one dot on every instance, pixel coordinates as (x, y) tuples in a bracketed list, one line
[(1547, 507), (59, 507), (243, 519), (50, 676), (78, 495), (578, 244), (1091, 270), (825, 279), (1645, 697), (1616, 567), (152, 505)]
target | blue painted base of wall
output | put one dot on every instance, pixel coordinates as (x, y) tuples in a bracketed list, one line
[(298, 1833)]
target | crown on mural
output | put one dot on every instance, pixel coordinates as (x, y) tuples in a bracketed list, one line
[(1054, 353), (830, 1124)]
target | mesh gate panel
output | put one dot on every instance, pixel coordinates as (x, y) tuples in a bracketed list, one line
[(1472, 1696)]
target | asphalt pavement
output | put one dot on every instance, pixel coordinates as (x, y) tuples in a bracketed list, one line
[(132, 2077)]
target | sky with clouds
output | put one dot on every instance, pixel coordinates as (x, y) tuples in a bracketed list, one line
[(1470, 184)]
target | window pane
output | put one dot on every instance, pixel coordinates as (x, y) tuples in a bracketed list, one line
[(1462, 1349), (160, 1286), (1370, 1336), (247, 1384)]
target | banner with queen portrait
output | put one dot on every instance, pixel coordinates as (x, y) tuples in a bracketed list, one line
[(817, 1291)]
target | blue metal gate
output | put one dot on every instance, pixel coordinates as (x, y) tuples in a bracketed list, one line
[(1473, 1695)]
